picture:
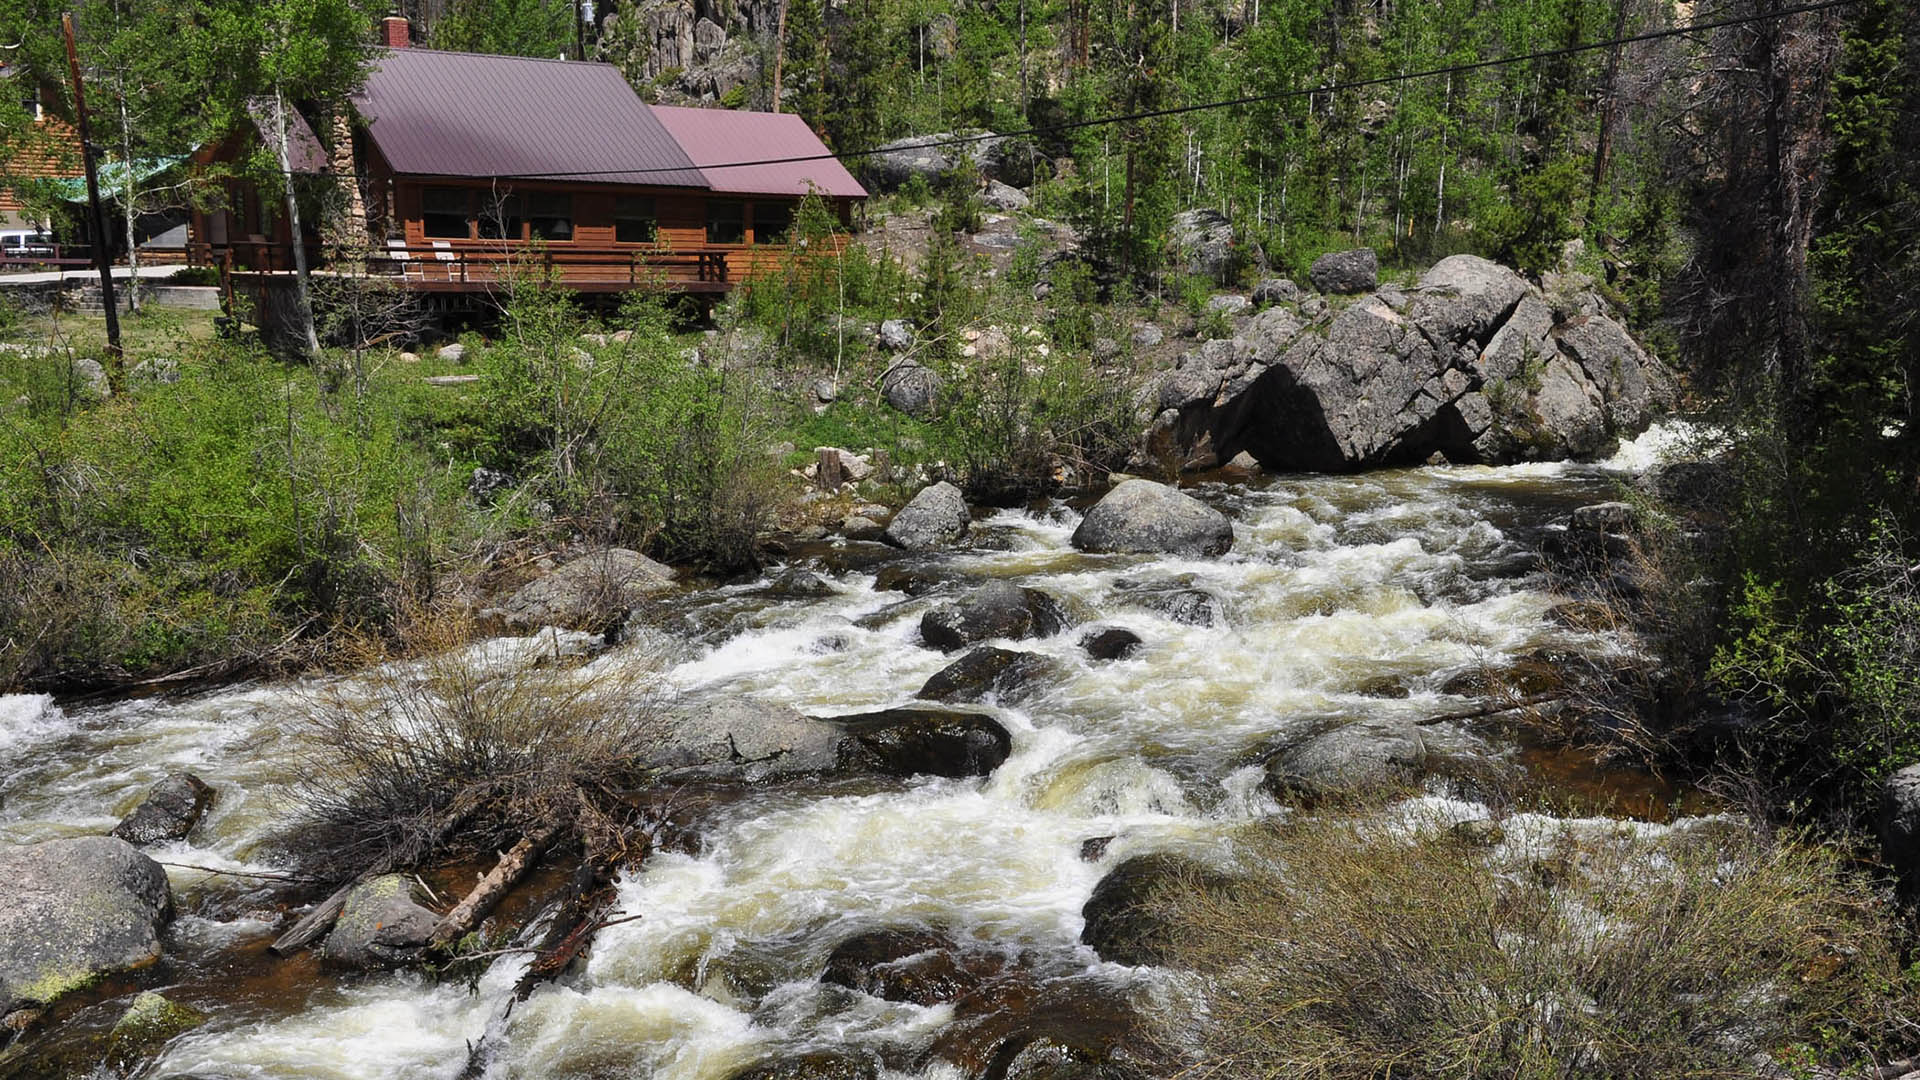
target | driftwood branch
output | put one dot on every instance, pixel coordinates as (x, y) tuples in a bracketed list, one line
[(315, 924), (481, 899), (1492, 708)]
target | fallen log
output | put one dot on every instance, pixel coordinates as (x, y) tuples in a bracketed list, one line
[(506, 873), (315, 924), (1491, 708)]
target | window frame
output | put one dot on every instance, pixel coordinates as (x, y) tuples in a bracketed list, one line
[(533, 215), (787, 214), (739, 220), (622, 205), (427, 191)]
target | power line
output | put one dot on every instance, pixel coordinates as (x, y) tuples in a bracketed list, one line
[(1250, 99)]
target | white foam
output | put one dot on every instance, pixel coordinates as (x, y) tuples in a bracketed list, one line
[(26, 719)]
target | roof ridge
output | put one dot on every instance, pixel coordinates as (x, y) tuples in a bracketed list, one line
[(498, 56)]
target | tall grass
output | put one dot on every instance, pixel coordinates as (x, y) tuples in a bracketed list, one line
[(1353, 949)]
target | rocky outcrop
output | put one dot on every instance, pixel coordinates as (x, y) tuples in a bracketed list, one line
[(1142, 516), (74, 910), (1471, 365), (380, 926), (1342, 272), (1203, 244), (1900, 826), (998, 609), (688, 50), (170, 811), (591, 592), (936, 517), (1005, 675)]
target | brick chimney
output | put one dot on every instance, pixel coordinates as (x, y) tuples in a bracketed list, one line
[(394, 33)]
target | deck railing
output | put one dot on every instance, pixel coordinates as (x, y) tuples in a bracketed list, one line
[(432, 265)]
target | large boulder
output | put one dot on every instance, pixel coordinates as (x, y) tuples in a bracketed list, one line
[(895, 163), (1142, 516), (1203, 243), (1465, 297), (998, 609), (1002, 674), (170, 811), (913, 388), (74, 910), (380, 926), (1361, 756), (923, 742), (1346, 272), (936, 517), (591, 592)]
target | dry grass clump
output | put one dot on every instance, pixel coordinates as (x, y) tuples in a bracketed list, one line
[(1536, 950), (465, 749)]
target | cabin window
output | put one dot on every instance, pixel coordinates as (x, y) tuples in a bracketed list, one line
[(500, 217), (634, 221), (443, 212), (726, 222), (771, 222), (551, 215)]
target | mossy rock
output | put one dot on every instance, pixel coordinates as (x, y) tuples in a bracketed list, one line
[(149, 1022)]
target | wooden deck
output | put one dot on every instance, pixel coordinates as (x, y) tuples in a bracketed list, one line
[(464, 269)]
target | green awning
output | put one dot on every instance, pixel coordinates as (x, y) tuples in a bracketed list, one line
[(113, 178)]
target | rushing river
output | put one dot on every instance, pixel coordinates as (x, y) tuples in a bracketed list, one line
[(1343, 597)]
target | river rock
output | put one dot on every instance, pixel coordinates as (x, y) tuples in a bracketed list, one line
[(150, 1021), (1203, 243), (795, 583), (1344, 272), (1364, 755), (380, 926), (1024, 1028), (170, 811), (1143, 516), (922, 966), (740, 738), (936, 517), (1110, 643), (1003, 674), (1190, 607), (1122, 924), (912, 388), (861, 527), (923, 741), (591, 592), (1900, 826), (74, 910), (998, 609), (814, 1065)]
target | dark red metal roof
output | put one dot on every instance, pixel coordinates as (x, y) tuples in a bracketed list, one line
[(715, 137), (436, 113)]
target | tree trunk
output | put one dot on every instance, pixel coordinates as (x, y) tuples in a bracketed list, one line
[(128, 203), (779, 51), (1603, 144), (303, 298), (483, 896)]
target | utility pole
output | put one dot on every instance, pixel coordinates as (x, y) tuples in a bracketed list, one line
[(101, 258)]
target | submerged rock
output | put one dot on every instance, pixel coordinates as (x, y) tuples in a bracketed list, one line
[(1142, 516), (151, 1020), (380, 926), (1023, 1028), (814, 1065), (936, 517), (74, 910), (1003, 674), (923, 742), (1110, 643), (171, 810), (998, 609), (922, 966)]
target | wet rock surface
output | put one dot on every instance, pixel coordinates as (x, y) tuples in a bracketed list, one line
[(74, 910), (923, 742), (380, 926), (591, 592), (998, 609), (814, 1065), (1123, 924), (1004, 675), (1140, 516), (1365, 755), (1110, 643), (170, 811), (925, 967)]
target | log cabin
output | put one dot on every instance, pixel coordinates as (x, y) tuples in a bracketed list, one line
[(467, 165)]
